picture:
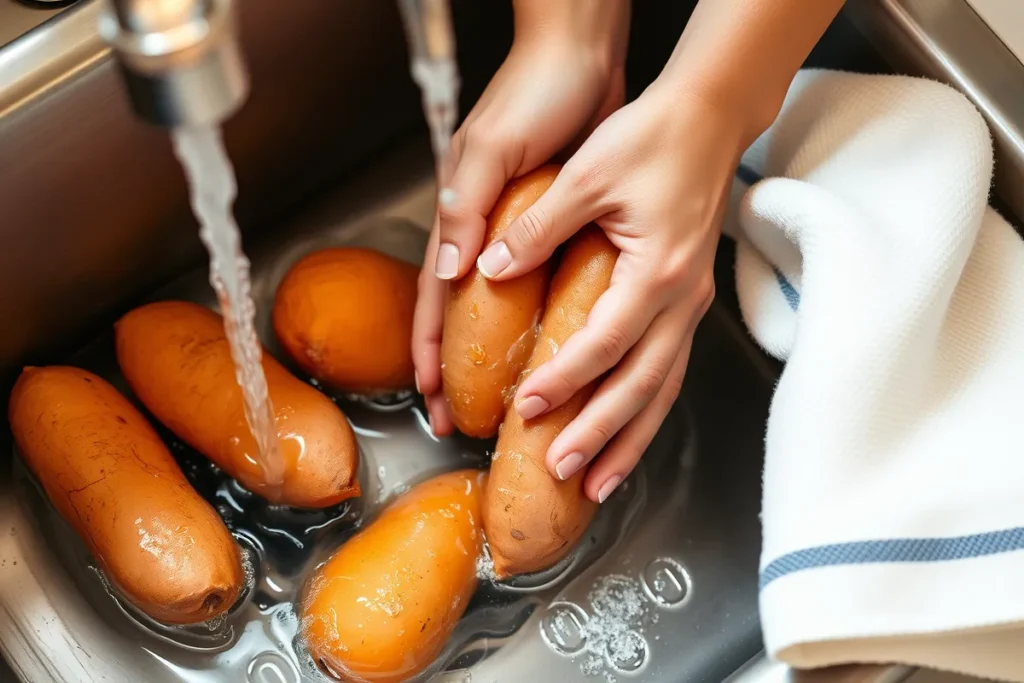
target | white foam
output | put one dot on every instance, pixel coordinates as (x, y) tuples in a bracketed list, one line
[(619, 610), (485, 567)]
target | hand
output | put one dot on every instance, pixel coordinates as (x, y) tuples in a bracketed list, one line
[(550, 91), (656, 177)]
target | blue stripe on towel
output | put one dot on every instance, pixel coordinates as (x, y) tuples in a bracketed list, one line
[(788, 290), (894, 550), (749, 176)]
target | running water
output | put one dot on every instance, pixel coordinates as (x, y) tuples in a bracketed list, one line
[(212, 187), (439, 81), (432, 48)]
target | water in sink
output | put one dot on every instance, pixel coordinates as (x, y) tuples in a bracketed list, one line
[(256, 642), (281, 547), (212, 187)]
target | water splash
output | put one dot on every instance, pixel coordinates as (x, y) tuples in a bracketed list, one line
[(212, 187)]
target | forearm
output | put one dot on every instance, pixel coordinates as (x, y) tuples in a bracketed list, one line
[(598, 25), (742, 55)]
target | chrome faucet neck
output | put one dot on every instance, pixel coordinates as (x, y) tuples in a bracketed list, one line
[(180, 58)]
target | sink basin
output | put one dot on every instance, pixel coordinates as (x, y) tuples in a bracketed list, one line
[(661, 589)]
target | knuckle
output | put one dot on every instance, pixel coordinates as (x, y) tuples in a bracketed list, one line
[(612, 344), (556, 384), (477, 138), (563, 386), (674, 271), (601, 432), (705, 291), (460, 139), (673, 388), (649, 382), (449, 215), (533, 228), (486, 139)]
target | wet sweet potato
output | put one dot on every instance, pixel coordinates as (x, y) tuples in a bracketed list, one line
[(177, 361), (106, 471), (531, 519), (344, 315), (490, 327), (383, 607)]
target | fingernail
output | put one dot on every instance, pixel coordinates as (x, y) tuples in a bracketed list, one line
[(447, 265), (569, 465), (531, 406), (608, 487), (430, 420), (416, 379), (495, 259), (447, 197)]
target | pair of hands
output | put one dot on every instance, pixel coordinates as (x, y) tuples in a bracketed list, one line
[(654, 174)]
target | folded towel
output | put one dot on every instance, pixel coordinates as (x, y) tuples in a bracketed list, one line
[(869, 261)]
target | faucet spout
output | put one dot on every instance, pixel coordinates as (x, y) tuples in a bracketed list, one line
[(180, 59)]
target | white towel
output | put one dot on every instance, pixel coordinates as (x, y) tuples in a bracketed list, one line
[(869, 261)]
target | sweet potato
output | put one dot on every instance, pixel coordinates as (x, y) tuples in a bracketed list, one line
[(177, 361), (531, 519), (490, 327), (382, 608), (344, 315), (106, 471)]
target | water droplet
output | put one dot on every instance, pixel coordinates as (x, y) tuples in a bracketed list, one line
[(477, 354)]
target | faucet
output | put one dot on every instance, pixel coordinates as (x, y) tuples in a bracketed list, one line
[(180, 59), (182, 65)]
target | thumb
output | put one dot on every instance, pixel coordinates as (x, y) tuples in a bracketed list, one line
[(531, 239), (463, 206)]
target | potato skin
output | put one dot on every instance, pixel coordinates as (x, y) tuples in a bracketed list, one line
[(490, 327), (531, 519), (344, 315), (106, 471), (177, 360), (383, 607)]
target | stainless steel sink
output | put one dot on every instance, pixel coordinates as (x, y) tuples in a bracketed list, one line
[(681, 540), (94, 218)]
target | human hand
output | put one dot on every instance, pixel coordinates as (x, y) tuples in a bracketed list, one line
[(555, 86), (656, 177)]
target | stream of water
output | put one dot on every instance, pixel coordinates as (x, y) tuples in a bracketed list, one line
[(434, 69), (212, 187)]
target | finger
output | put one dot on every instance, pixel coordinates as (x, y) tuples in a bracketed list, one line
[(427, 324), (568, 205), (440, 419), (624, 452), (616, 322), (463, 205), (627, 392)]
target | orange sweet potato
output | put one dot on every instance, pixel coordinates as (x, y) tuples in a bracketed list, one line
[(177, 360), (106, 471), (344, 315), (489, 327), (382, 608), (531, 519)]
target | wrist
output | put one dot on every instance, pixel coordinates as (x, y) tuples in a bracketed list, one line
[(595, 31), (743, 102), (694, 127)]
